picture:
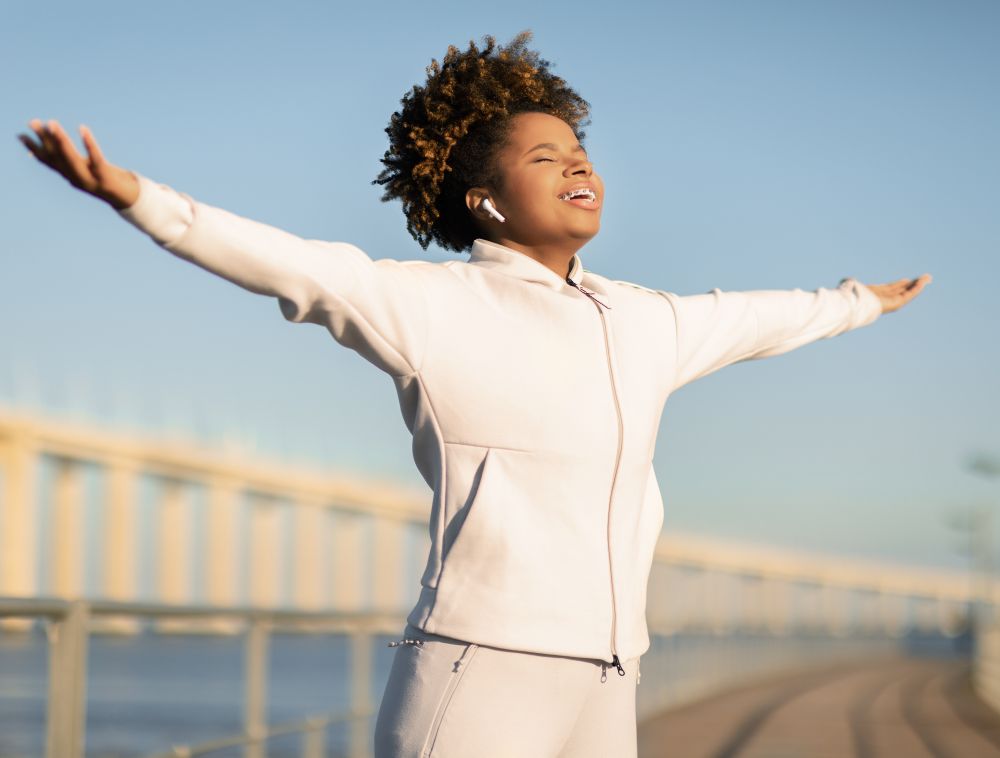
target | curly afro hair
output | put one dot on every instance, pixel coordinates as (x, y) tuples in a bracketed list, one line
[(446, 136)]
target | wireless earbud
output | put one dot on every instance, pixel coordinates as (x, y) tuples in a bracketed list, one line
[(488, 207)]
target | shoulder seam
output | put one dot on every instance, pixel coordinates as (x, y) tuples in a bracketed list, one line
[(637, 286)]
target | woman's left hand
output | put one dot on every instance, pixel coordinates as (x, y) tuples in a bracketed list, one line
[(897, 294)]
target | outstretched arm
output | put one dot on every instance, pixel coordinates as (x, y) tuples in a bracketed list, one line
[(719, 328), (374, 307)]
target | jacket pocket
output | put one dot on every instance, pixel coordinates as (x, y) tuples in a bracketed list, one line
[(472, 535), (456, 527), (532, 544)]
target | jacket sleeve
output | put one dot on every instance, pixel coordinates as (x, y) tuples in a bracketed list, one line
[(376, 308), (718, 328)]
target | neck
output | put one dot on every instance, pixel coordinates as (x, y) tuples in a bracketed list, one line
[(557, 257)]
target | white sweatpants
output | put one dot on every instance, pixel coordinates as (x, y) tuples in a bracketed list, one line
[(447, 698)]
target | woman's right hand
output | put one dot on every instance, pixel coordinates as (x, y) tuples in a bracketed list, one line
[(94, 175)]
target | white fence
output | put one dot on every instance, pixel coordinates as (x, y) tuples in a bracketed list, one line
[(88, 514)]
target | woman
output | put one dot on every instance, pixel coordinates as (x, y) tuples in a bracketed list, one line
[(533, 389)]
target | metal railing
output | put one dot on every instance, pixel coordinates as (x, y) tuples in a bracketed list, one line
[(324, 548), (682, 664), (69, 628)]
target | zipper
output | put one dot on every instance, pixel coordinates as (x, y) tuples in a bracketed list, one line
[(617, 664), (589, 294), (460, 667), (618, 456)]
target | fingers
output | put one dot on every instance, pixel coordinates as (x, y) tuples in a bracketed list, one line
[(49, 142), (915, 286), (911, 289), (33, 148), (93, 149), (906, 284), (894, 295), (48, 151), (72, 159), (39, 149), (57, 151)]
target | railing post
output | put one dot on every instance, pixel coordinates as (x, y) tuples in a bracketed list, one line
[(266, 548), (174, 548), (361, 692), (19, 458), (387, 566), (255, 670), (120, 527), (67, 535), (223, 546), (66, 716), (311, 520), (349, 561), (314, 739)]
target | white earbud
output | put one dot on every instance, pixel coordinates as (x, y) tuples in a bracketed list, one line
[(488, 207)]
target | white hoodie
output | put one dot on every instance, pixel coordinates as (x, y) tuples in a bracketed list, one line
[(533, 400)]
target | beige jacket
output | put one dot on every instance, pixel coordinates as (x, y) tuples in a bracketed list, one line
[(533, 400)]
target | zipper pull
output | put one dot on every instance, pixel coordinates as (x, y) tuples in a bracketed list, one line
[(604, 672), (587, 292), (618, 664)]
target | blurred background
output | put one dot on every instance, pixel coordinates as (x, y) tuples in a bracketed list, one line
[(766, 145)]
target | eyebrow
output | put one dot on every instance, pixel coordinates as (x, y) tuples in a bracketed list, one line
[(550, 146)]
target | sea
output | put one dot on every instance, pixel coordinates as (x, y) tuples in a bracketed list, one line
[(150, 691)]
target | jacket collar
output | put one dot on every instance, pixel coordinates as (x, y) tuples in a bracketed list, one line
[(517, 264)]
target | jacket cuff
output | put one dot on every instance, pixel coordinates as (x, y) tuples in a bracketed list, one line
[(869, 306), (159, 211)]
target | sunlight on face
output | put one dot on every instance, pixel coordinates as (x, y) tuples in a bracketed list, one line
[(548, 190)]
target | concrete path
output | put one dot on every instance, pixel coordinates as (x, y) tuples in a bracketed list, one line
[(893, 708)]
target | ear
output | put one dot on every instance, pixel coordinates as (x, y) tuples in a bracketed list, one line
[(474, 202)]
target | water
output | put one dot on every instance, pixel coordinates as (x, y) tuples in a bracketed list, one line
[(148, 692)]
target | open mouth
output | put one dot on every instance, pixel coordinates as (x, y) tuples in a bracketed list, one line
[(582, 197), (584, 194)]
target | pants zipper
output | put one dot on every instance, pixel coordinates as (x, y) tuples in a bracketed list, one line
[(460, 667), (621, 434)]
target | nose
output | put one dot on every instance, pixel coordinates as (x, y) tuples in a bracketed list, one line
[(582, 167)]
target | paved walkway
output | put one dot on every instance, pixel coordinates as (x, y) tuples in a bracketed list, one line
[(895, 708)]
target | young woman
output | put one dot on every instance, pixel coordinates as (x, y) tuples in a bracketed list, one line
[(533, 389)]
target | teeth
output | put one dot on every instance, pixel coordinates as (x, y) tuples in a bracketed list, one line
[(579, 192)]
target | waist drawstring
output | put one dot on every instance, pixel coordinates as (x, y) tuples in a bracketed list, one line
[(405, 641)]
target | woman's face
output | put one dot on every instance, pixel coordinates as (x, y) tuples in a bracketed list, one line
[(539, 167)]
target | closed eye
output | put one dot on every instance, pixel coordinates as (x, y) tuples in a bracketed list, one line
[(538, 160)]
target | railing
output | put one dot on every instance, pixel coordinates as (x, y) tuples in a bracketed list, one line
[(265, 527), (238, 538), (69, 632), (681, 665)]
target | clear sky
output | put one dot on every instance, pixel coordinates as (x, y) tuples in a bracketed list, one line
[(743, 145)]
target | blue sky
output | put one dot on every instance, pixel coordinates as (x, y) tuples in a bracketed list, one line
[(743, 145)]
